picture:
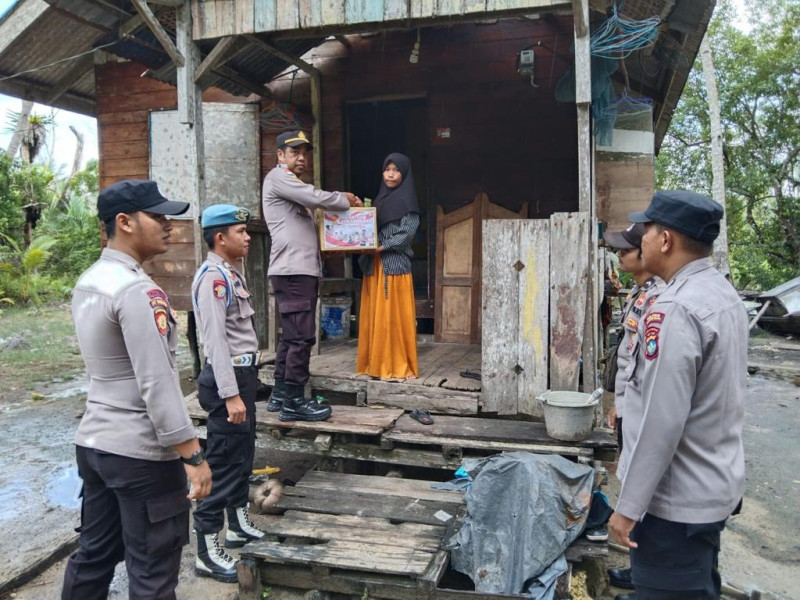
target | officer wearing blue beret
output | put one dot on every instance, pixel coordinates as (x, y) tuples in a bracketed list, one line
[(682, 463), (226, 388)]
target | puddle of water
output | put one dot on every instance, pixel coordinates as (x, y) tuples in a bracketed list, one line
[(64, 488)]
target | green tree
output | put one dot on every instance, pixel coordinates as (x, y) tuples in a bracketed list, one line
[(759, 87)]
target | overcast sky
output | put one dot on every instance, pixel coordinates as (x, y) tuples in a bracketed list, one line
[(61, 148)]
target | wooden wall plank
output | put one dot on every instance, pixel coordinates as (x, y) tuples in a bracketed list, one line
[(363, 11), (533, 311), (226, 17), (568, 288), (311, 13), (395, 9), (245, 15), (287, 14), (264, 15), (422, 8), (500, 244), (449, 7), (333, 11)]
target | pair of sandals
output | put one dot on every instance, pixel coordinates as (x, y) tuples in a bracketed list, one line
[(421, 415)]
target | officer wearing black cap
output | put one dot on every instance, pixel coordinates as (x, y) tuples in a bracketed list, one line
[(135, 431), (682, 466), (295, 269), (226, 388)]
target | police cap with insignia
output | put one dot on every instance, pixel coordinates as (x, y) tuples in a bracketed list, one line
[(689, 213), (625, 240), (134, 195), (293, 139), (220, 215)]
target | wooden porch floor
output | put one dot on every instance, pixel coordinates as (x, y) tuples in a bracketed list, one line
[(439, 388)]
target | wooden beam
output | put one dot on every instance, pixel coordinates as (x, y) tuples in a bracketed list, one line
[(172, 3), (292, 60), (316, 133), (190, 113), (216, 57), (579, 15), (82, 66), (158, 31)]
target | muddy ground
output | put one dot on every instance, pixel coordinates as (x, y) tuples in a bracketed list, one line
[(39, 508)]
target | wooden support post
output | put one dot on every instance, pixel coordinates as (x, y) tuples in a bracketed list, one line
[(760, 312), (158, 31), (323, 442), (250, 586), (586, 197), (190, 113)]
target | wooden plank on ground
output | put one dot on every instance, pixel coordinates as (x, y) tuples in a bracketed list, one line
[(351, 532), (533, 301), (435, 399), (345, 419), (498, 430), (431, 357), (370, 505), (389, 486), (341, 554), (568, 288), (499, 365), (418, 530)]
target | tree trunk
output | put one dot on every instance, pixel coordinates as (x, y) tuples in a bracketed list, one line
[(720, 256), (19, 129), (76, 162)]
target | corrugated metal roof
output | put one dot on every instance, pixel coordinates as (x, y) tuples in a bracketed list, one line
[(70, 27)]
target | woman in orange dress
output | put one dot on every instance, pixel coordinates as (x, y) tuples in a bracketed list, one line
[(387, 333)]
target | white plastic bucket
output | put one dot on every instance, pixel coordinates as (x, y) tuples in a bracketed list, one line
[(335, 320), (568, 416)]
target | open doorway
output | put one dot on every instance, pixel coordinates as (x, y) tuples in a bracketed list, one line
[(375, 129)]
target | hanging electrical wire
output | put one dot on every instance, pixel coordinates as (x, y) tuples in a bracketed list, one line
[(619, 36), (58, 62)]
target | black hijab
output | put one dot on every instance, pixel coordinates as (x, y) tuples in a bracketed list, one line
[(394, 204)]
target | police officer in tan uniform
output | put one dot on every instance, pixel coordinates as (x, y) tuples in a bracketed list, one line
[(645, 290), (294, 271), (226, 388), (135, 431), (682, 466)]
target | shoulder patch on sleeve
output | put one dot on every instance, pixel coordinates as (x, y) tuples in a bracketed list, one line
[(651, 342), (220, 288), (160, 315), (654, 318), (156, 293)]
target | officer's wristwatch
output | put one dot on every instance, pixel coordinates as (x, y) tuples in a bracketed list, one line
[(196, 459)]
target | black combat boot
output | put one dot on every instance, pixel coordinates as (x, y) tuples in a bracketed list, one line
[(240, 528), (212, 561), (278, 396), (296, 407)]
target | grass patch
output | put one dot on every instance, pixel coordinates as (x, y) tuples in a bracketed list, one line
[(53, 350)]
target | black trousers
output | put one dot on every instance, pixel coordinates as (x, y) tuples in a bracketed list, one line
[(229, 448), (296, 297), (676, 561), (133, 509)]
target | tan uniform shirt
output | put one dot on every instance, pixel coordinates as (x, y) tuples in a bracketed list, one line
[(128, 334), (682, 457), (224, 313), (637, 302), (288, 204)]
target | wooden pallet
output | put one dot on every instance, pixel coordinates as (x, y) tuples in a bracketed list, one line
[(362, 535), (351, 533)]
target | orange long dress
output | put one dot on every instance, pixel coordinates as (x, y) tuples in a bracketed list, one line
[(387, 336)]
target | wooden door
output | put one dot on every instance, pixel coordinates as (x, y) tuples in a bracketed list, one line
[(458, 268)]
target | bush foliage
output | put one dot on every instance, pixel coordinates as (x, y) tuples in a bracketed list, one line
[(44, 264)]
